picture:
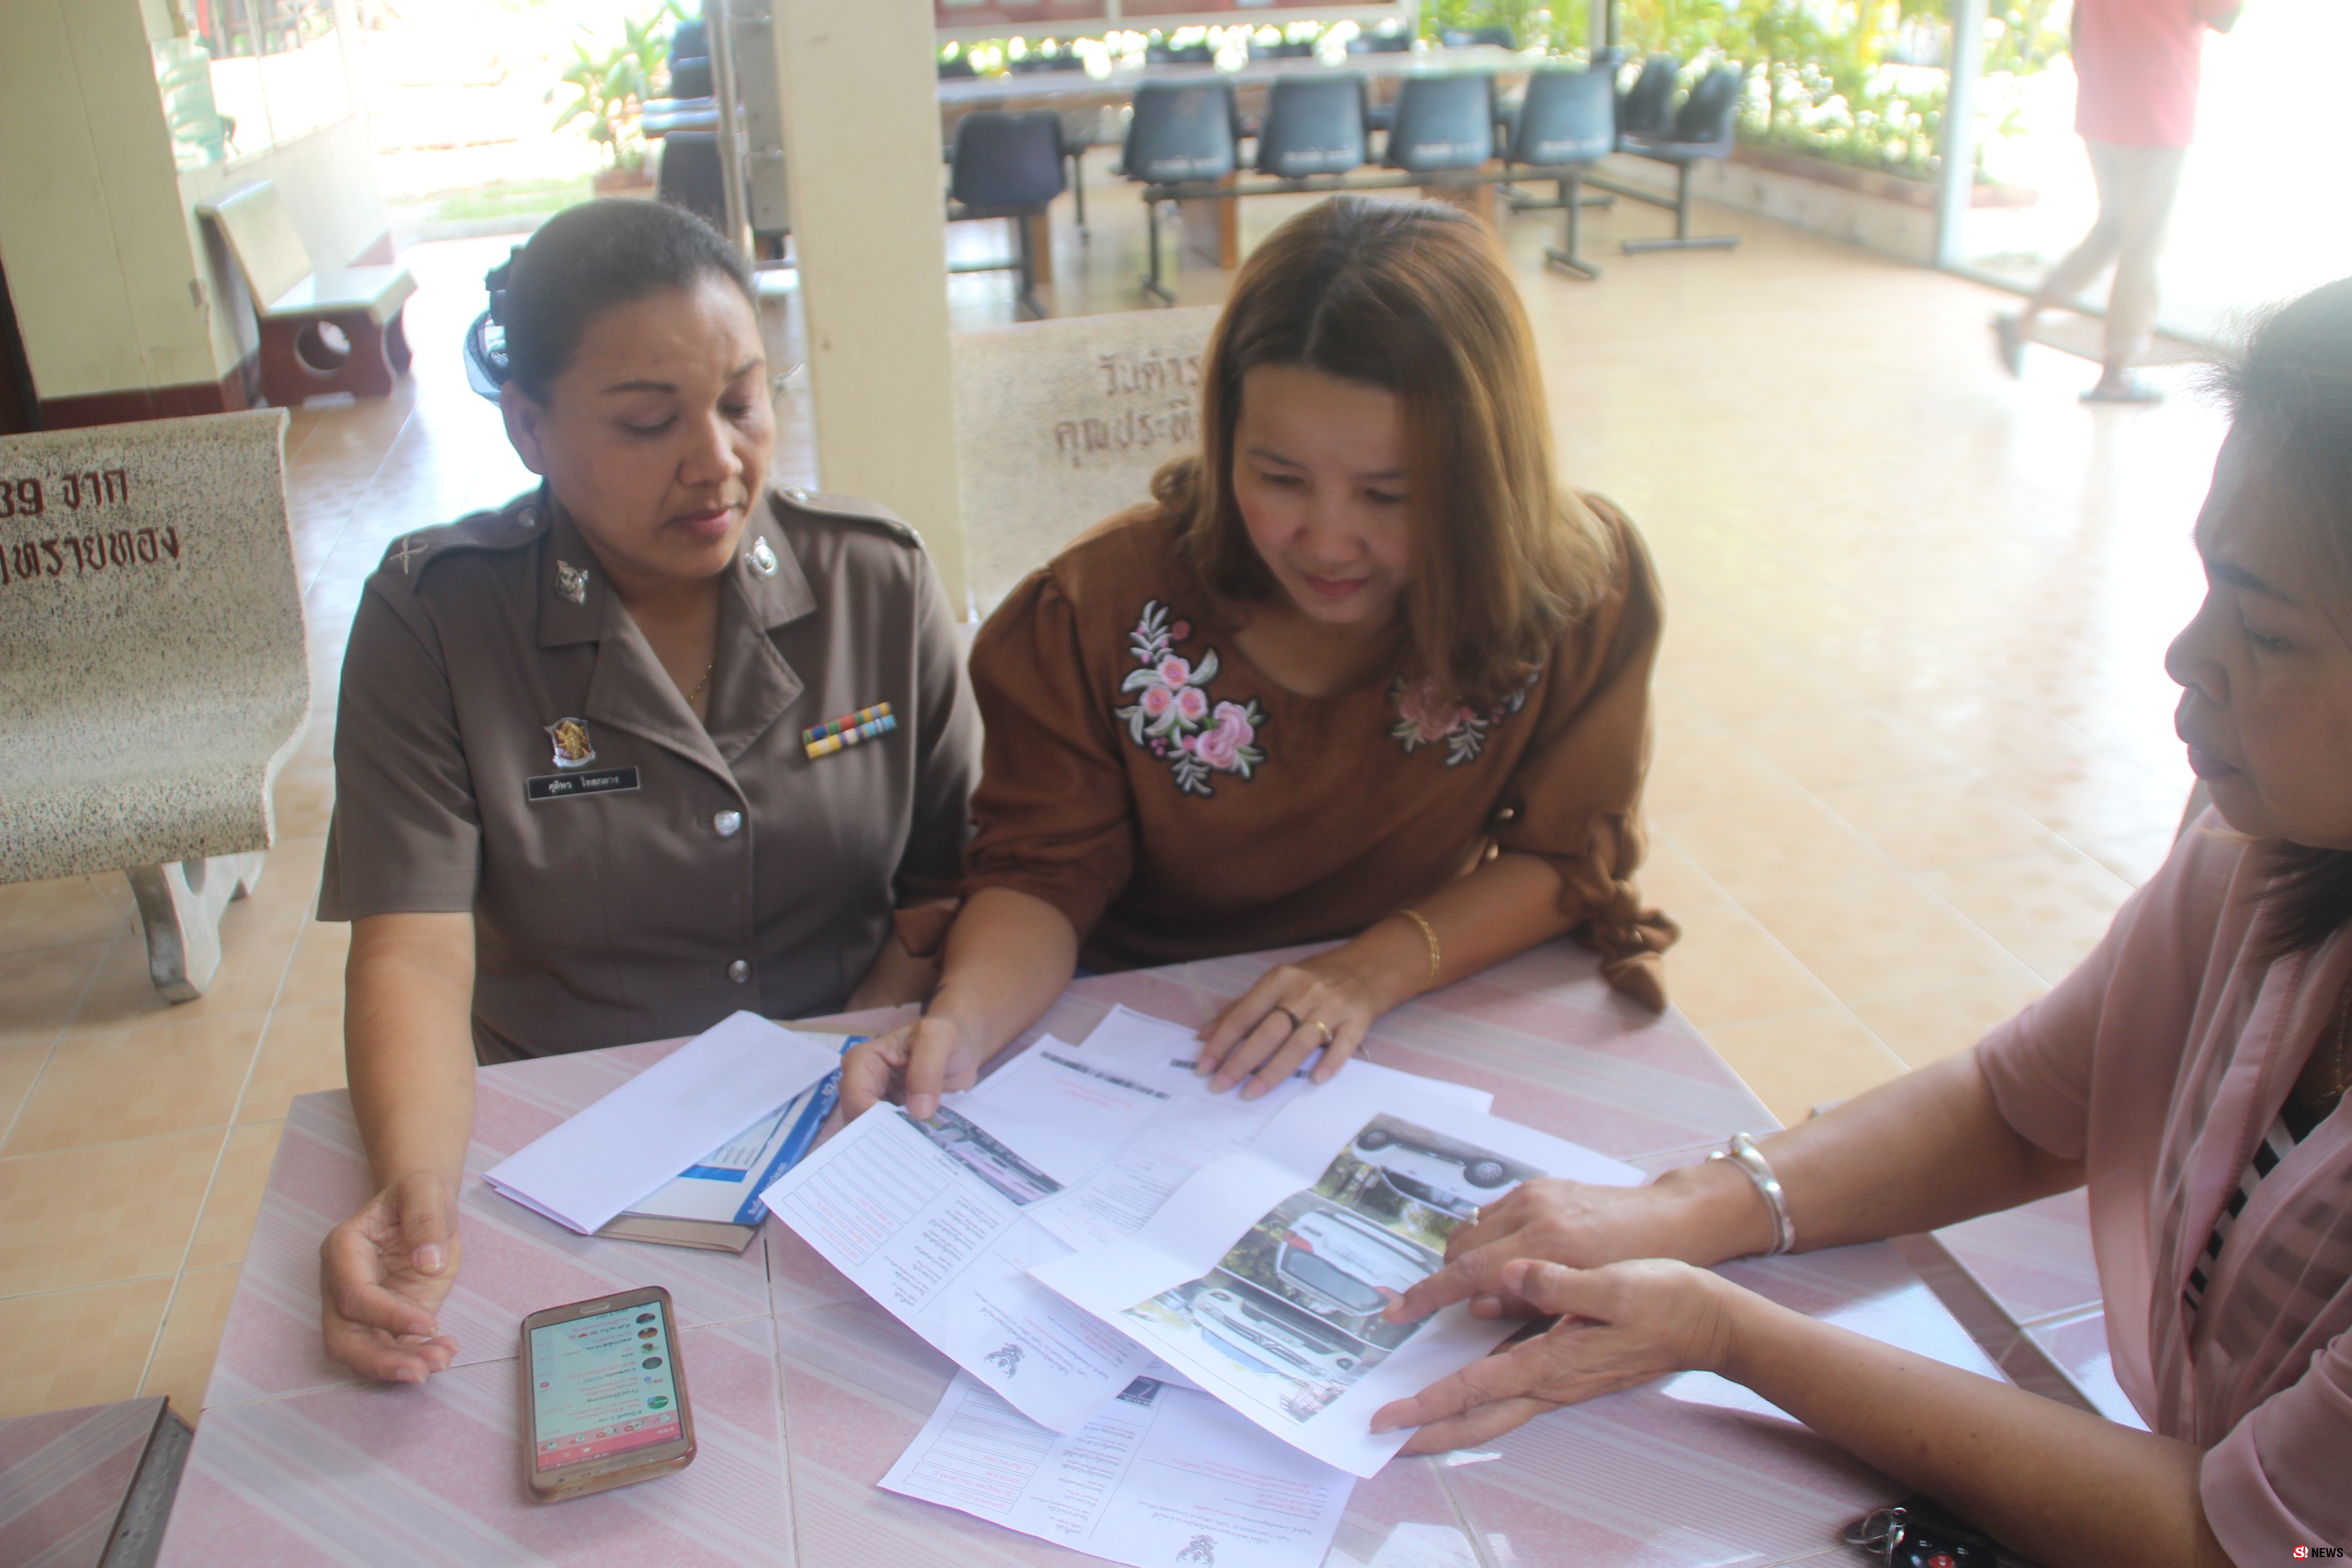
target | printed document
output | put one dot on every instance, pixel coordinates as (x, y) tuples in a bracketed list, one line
[(645, 1133), (1158, 1476), (940, 1221), (1263, 1278)]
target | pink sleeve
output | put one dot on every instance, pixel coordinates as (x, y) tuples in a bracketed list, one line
[(2283, 1478), (2039, 1063), (2148, 966)]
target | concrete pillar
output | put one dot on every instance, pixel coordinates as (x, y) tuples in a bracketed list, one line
[(862, 146), (1956, 184)]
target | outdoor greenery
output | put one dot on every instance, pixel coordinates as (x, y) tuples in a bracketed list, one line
[(509, 199), (1856, 81), (613, 82)]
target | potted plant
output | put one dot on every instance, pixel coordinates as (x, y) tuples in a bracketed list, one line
[(610, 87)]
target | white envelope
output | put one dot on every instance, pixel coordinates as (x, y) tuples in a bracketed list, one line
[(662, 1121)]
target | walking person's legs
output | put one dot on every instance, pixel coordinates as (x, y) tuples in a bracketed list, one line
[(2081, 267), (2150, 178)]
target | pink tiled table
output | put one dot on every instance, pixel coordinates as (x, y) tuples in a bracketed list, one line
[(806, 1391), (2025, 1284)]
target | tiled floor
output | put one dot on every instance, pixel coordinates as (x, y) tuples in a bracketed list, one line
[(1913, 731)]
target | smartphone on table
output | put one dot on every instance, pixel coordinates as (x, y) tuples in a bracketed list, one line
[(604, 1396)]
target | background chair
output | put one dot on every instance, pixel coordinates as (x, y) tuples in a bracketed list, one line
[(687, 123), (1647, 108), (1702, 128), (1007, 166), (1314, 125), (1182, 133), (1566, 123), (1442, 122)]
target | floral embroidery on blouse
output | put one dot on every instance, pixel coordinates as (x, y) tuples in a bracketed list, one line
[(1425, 720), (1174, 718)]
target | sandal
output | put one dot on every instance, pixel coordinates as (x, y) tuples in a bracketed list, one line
[(2130, 390)]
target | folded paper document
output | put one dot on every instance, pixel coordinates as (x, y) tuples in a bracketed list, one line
[(659, 1122), (1160, 1474), (941, 1220)]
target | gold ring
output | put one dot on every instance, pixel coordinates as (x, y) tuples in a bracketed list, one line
[(1326, 1030)]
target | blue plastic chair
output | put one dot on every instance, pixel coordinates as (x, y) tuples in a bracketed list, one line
[(1314, 125), (1182, 133), (1007, 166)]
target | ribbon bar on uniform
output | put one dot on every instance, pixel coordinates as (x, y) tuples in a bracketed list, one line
[(824, 740)]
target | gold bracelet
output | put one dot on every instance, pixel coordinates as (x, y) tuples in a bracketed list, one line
[(1429, 935)]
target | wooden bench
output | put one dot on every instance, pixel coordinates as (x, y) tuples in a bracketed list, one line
[(1060, 424), (153, 672), (295, 303)]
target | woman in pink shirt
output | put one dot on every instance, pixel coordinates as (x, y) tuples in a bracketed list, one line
[(2191, 1072)]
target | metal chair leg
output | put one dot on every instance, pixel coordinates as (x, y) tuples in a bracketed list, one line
[(1572, 258), (1151, 284), (1027, 305), (1078, 189), (1684, 239)]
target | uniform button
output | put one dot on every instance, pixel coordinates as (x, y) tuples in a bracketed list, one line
[(739, 971), (1507, 813), (795, 495), (726, 823)]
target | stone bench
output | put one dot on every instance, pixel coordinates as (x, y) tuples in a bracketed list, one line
[(1060, 424), (153, 674)]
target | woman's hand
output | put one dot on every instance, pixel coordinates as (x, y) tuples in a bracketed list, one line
[(383, 1275), (922, 1061), (1700, 1214), (1620, 1326), (1293, 1011)]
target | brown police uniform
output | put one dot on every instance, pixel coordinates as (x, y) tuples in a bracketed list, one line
[(506, 743)]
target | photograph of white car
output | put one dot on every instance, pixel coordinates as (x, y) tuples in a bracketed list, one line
[(1432, 1170), (1256, 1338), (1356, 1266)]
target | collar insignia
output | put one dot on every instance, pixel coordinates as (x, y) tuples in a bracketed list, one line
[(572, 581), (763, 560)]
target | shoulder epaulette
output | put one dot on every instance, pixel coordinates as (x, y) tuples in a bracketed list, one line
[(508, 527), (852, 509)]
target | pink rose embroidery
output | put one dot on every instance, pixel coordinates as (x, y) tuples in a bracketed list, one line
[(1221, 746), (1425, 720), (1171, 717)]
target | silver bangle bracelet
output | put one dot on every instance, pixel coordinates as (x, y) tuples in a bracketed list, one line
[(1743, 1152)]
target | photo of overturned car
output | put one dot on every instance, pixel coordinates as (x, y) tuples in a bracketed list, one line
[(1295, 1308)]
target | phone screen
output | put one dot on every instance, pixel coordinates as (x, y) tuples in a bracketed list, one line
[(605, 1384)]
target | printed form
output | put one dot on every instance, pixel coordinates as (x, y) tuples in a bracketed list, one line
[(1160, 1475), (1265, 1279), (940, 1221)]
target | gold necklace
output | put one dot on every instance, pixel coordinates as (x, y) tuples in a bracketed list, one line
[(695, 695)]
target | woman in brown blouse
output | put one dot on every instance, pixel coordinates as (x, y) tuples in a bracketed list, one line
[(1361, 670)]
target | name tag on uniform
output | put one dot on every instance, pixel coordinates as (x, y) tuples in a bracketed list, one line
[(566, 786)]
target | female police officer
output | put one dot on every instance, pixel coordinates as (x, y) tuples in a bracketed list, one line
[(585, 790)]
